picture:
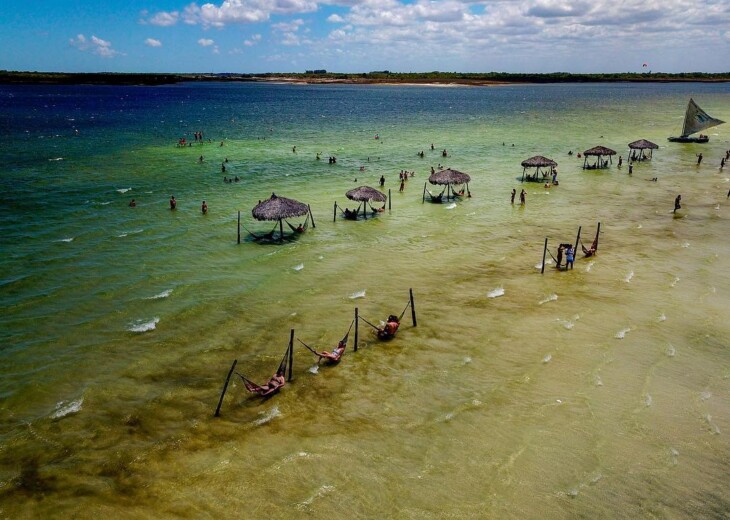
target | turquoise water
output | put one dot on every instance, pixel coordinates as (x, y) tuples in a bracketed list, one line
[(518, 395)]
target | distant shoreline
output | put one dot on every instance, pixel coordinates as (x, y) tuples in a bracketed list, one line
[(372, 78)]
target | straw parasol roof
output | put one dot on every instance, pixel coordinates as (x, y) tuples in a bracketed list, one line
[(642, 144), (600, 150), (366, 193), (277, 208), (449, 176), (538, 162)]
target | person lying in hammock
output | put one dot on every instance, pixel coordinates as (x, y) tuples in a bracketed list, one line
[(335, 355), (351, 214), (388, 330), (274, 385)]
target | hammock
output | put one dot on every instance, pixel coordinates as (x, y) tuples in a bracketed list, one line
[(386, 333), (273, 385), (376, 210), (436, 198), (337, 352), (350, 214), (593, 249), (265, 236), (301, 228)]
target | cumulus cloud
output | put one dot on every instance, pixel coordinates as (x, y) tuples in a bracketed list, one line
[(205, 42), (292, 26), (335, 18), (253, 40), (165, 19), (95, 45), (151, 42)]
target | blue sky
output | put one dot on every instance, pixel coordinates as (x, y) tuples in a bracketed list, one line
[(253, 36)]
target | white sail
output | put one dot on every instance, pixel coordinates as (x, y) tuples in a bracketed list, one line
[(696, 119)]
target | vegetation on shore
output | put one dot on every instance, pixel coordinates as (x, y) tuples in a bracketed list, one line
[(322, 76)]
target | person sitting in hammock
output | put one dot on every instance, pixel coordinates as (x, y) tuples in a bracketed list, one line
[(274, 385), (351, 214), (335, 355), (388, 330)]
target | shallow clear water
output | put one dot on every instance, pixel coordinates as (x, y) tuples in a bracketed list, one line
[(518, 395)]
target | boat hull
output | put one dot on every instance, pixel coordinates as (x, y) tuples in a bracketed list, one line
[(701, 139)]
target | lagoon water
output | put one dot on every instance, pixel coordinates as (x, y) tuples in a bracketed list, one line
[(603, 392)]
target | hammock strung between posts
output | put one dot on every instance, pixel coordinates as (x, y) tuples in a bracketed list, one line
[(337, 352), (265, 236), (436, 198), (348, 213), (593, 249), (376, 210), (274, 384), (391, 325), (301, 228)]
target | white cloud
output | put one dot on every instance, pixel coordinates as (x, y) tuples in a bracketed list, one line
[(151, 42), (165, 19), (335, 18), (253, 40), (205, 42), (292, 26), (95, 45)]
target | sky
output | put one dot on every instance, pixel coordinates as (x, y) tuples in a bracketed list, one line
[(255, 36)]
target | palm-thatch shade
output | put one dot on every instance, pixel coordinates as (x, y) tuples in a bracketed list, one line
[(365, 194), (538, 162), (600, 151), (643, 144), (448, 176), (277, 208)]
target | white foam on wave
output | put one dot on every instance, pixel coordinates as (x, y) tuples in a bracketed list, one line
[(704, 396), (589, 266), (64, 408), (70, 239), (124, 190), (671, 351), (598, 380), (550, 298), (673, 453), (467, 360), (322, 491), (622, 333), (267, 416), (547, 358), (647, 400), (298, 267), (628, 277), (662, 317), (712, 425), (56, 159), (127, 233), (685, 245), (496, 293), (314, 369), (639, 226), (144, 326), (451, 206), (163, 294), (568, 324), (676, 279), (358, 294)]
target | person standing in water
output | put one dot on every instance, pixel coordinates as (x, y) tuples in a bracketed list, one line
[(523, 195), (173, 202), (699, 158), (204, 208), (677, 204), (512, 199), (382, 181)]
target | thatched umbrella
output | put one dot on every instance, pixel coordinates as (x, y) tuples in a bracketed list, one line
[(280, 208), (366, 194), (448, 177), (641, 145), (537, 162), (598, 152)]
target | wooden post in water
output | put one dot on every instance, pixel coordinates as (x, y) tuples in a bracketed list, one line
[(468, 193), (334, 213), (598, 231), (311, 216), (577, 238), (291, 354), (225, 387), (389, 199), (424, 193), (544, 252), (413, 308), (357, 323), (239, 226)]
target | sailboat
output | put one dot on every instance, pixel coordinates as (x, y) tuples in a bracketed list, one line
[(695, 120)]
